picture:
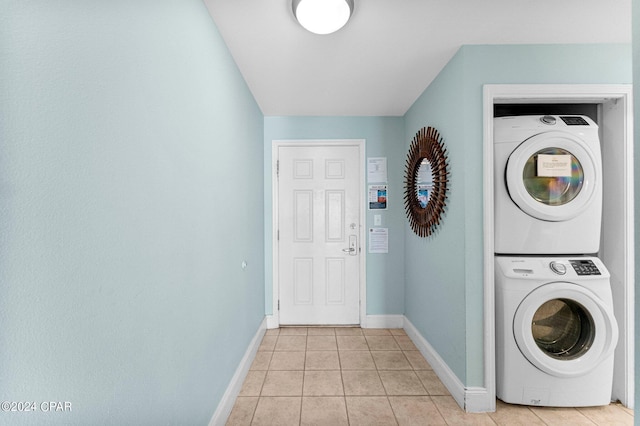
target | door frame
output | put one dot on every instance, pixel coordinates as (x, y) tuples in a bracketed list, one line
[(618, 244), (362, 285)]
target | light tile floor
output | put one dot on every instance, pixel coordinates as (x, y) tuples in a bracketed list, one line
[(352, 376)]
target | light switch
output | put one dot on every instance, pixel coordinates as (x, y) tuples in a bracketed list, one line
[(377, 220)]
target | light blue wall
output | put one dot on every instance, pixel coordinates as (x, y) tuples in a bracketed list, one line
[(384, 138), (130, 149), (435, 266), (453, 104)]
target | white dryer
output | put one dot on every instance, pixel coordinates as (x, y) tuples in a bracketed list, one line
[(548, 185), (555, 331)]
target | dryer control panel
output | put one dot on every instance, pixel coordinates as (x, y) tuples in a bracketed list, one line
[(574, 121), (585, 267)]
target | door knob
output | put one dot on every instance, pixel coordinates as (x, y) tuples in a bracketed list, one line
[(353, 246)]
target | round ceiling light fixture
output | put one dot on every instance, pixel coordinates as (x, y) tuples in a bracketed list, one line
[(322, 16)]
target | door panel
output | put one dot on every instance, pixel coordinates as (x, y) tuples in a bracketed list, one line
[(319, 232), (303, 214)]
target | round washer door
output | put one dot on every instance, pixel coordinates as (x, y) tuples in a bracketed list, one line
[(564, 329), (552, 176)]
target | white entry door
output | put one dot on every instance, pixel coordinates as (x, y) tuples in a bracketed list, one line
[(319, 234)]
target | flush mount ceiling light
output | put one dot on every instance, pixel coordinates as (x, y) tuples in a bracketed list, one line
[(322, 16)]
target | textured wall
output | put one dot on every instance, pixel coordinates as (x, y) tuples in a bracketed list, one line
[(130, 162)]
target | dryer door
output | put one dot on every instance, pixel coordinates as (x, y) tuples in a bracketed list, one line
[(552, 176), (564, 329)]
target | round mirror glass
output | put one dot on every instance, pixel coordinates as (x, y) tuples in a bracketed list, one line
[(424, 183)]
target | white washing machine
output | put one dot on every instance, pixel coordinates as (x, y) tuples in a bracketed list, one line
[(555, 331), (548, 185)]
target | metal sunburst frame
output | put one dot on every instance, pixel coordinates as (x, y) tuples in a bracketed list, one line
[(427, 144)]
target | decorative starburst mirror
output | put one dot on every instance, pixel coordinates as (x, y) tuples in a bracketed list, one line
[(426, 178)]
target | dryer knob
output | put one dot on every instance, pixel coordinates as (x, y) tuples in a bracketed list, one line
[(558, 268), (548, 119)]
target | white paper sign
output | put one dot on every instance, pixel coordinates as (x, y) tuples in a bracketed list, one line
[(554, 165), (378, 240), (377, 169)]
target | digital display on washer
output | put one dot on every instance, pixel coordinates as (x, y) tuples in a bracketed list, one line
[(585, 267), (574, 121)]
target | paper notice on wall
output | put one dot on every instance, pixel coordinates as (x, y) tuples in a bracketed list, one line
[(554, 165), (377, 169), (377, 197), (378, 240)]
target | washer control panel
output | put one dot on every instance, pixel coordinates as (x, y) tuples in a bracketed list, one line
[(551, 268), (585, 267)]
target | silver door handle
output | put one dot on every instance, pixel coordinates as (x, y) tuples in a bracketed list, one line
[(353, 246)]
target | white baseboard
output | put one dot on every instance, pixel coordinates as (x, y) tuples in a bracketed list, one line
[(383, 321), (272, 321), (478, 400), (470, 399), (225, 406), (369, 321)]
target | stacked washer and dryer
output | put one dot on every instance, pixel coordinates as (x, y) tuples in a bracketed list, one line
[(555, 328)]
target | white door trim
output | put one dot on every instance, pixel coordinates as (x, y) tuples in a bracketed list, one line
[(563, 93), (274, 321)]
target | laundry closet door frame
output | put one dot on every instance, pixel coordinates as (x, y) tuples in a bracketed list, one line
[(605, 96)]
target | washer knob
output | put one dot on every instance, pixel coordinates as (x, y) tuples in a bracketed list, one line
[(558, 268), (548, 119)]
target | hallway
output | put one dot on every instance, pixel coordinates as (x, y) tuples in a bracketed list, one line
[(352, 376)]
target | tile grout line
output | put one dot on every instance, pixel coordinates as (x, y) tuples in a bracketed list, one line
[(304, 374), (534, 413), (369, 351), (255, 409)]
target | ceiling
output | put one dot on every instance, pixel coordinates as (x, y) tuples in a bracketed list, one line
[(390, 50)]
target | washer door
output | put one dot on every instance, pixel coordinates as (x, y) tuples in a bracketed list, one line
[(552, 176), (564, 329)]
